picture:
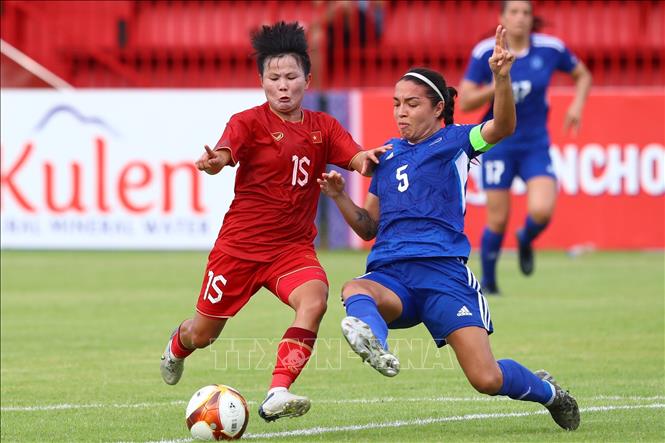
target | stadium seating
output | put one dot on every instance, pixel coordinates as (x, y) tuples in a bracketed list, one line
[(128, 43)]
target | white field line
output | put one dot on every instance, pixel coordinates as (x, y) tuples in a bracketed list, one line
[(432, 420), (419, 422), (65, 406)]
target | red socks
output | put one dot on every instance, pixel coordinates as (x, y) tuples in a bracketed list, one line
[(293, 353), (177, 348)]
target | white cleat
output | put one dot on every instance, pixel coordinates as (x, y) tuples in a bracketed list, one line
[(367, 346), (171, 367), (281, 403)]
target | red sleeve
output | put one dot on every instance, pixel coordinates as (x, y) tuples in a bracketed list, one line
[(342, 147), (234, 138)]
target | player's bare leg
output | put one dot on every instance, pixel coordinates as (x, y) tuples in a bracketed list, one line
[(472, 348), (309, 302), (192, 334), (541, 199)]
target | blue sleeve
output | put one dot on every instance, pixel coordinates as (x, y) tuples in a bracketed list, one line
[(478, 70), (567, 61), (372, 186), (465, 139), (462, 135)]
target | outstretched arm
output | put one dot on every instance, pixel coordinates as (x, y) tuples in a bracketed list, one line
[(504, 121), (365, 161), (364, 221)]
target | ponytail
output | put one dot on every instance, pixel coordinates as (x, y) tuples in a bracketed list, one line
[(449, 105)]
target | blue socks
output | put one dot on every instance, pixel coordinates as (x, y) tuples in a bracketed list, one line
[(490, 248), (530, 231), (364, 307), (521, 384)]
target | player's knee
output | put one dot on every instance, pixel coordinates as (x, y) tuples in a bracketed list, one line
[(487, 382), (541, 215), (497, 220), (319, 308), (314, 308), (351, 288), (497, 225)]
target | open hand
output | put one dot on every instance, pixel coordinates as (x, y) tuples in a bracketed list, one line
[(331, 183)]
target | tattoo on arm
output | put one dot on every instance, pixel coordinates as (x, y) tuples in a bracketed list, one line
[(366, 224)]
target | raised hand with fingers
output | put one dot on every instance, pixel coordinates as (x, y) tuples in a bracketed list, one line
[(211, 161), (501, 59)]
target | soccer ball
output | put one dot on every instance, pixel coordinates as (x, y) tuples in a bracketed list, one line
[(217, 412)]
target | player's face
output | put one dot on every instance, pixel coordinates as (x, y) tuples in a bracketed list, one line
[(284, 83), (517, 18), (415, 116)]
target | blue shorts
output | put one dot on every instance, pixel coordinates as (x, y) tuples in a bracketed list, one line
[(440, 292), (500, 166)]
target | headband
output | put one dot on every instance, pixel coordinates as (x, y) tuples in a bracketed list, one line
[(426, 80)]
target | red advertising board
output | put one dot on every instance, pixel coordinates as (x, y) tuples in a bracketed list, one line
[(611, 174)]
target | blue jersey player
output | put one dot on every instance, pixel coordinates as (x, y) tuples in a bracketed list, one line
[(416, 271), (526, 152)]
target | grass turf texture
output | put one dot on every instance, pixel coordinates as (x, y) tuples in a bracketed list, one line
[(83, 332)]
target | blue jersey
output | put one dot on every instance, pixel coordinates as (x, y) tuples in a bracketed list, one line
[(531, 75), (422, 197)]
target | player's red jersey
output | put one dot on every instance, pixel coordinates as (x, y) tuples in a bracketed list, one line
[(276, 193)]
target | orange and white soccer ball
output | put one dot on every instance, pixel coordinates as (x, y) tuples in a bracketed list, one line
[(217, 412)]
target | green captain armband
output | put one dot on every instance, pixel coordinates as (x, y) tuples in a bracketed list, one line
[(476, 138)]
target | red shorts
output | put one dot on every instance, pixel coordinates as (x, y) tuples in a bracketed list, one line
[(230, 282)]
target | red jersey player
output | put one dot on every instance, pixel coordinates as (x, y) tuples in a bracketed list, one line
[(268, 233)]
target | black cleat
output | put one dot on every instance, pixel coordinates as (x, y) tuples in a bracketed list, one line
[(525, 251), (564, 409), (490, 289)]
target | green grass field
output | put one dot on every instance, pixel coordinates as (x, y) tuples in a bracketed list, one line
[(82, 333)]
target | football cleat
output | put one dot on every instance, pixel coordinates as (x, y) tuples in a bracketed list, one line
[(281, 403), (525, 252), (171, 367), (564, 409), (364, 343), (490, 289)]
